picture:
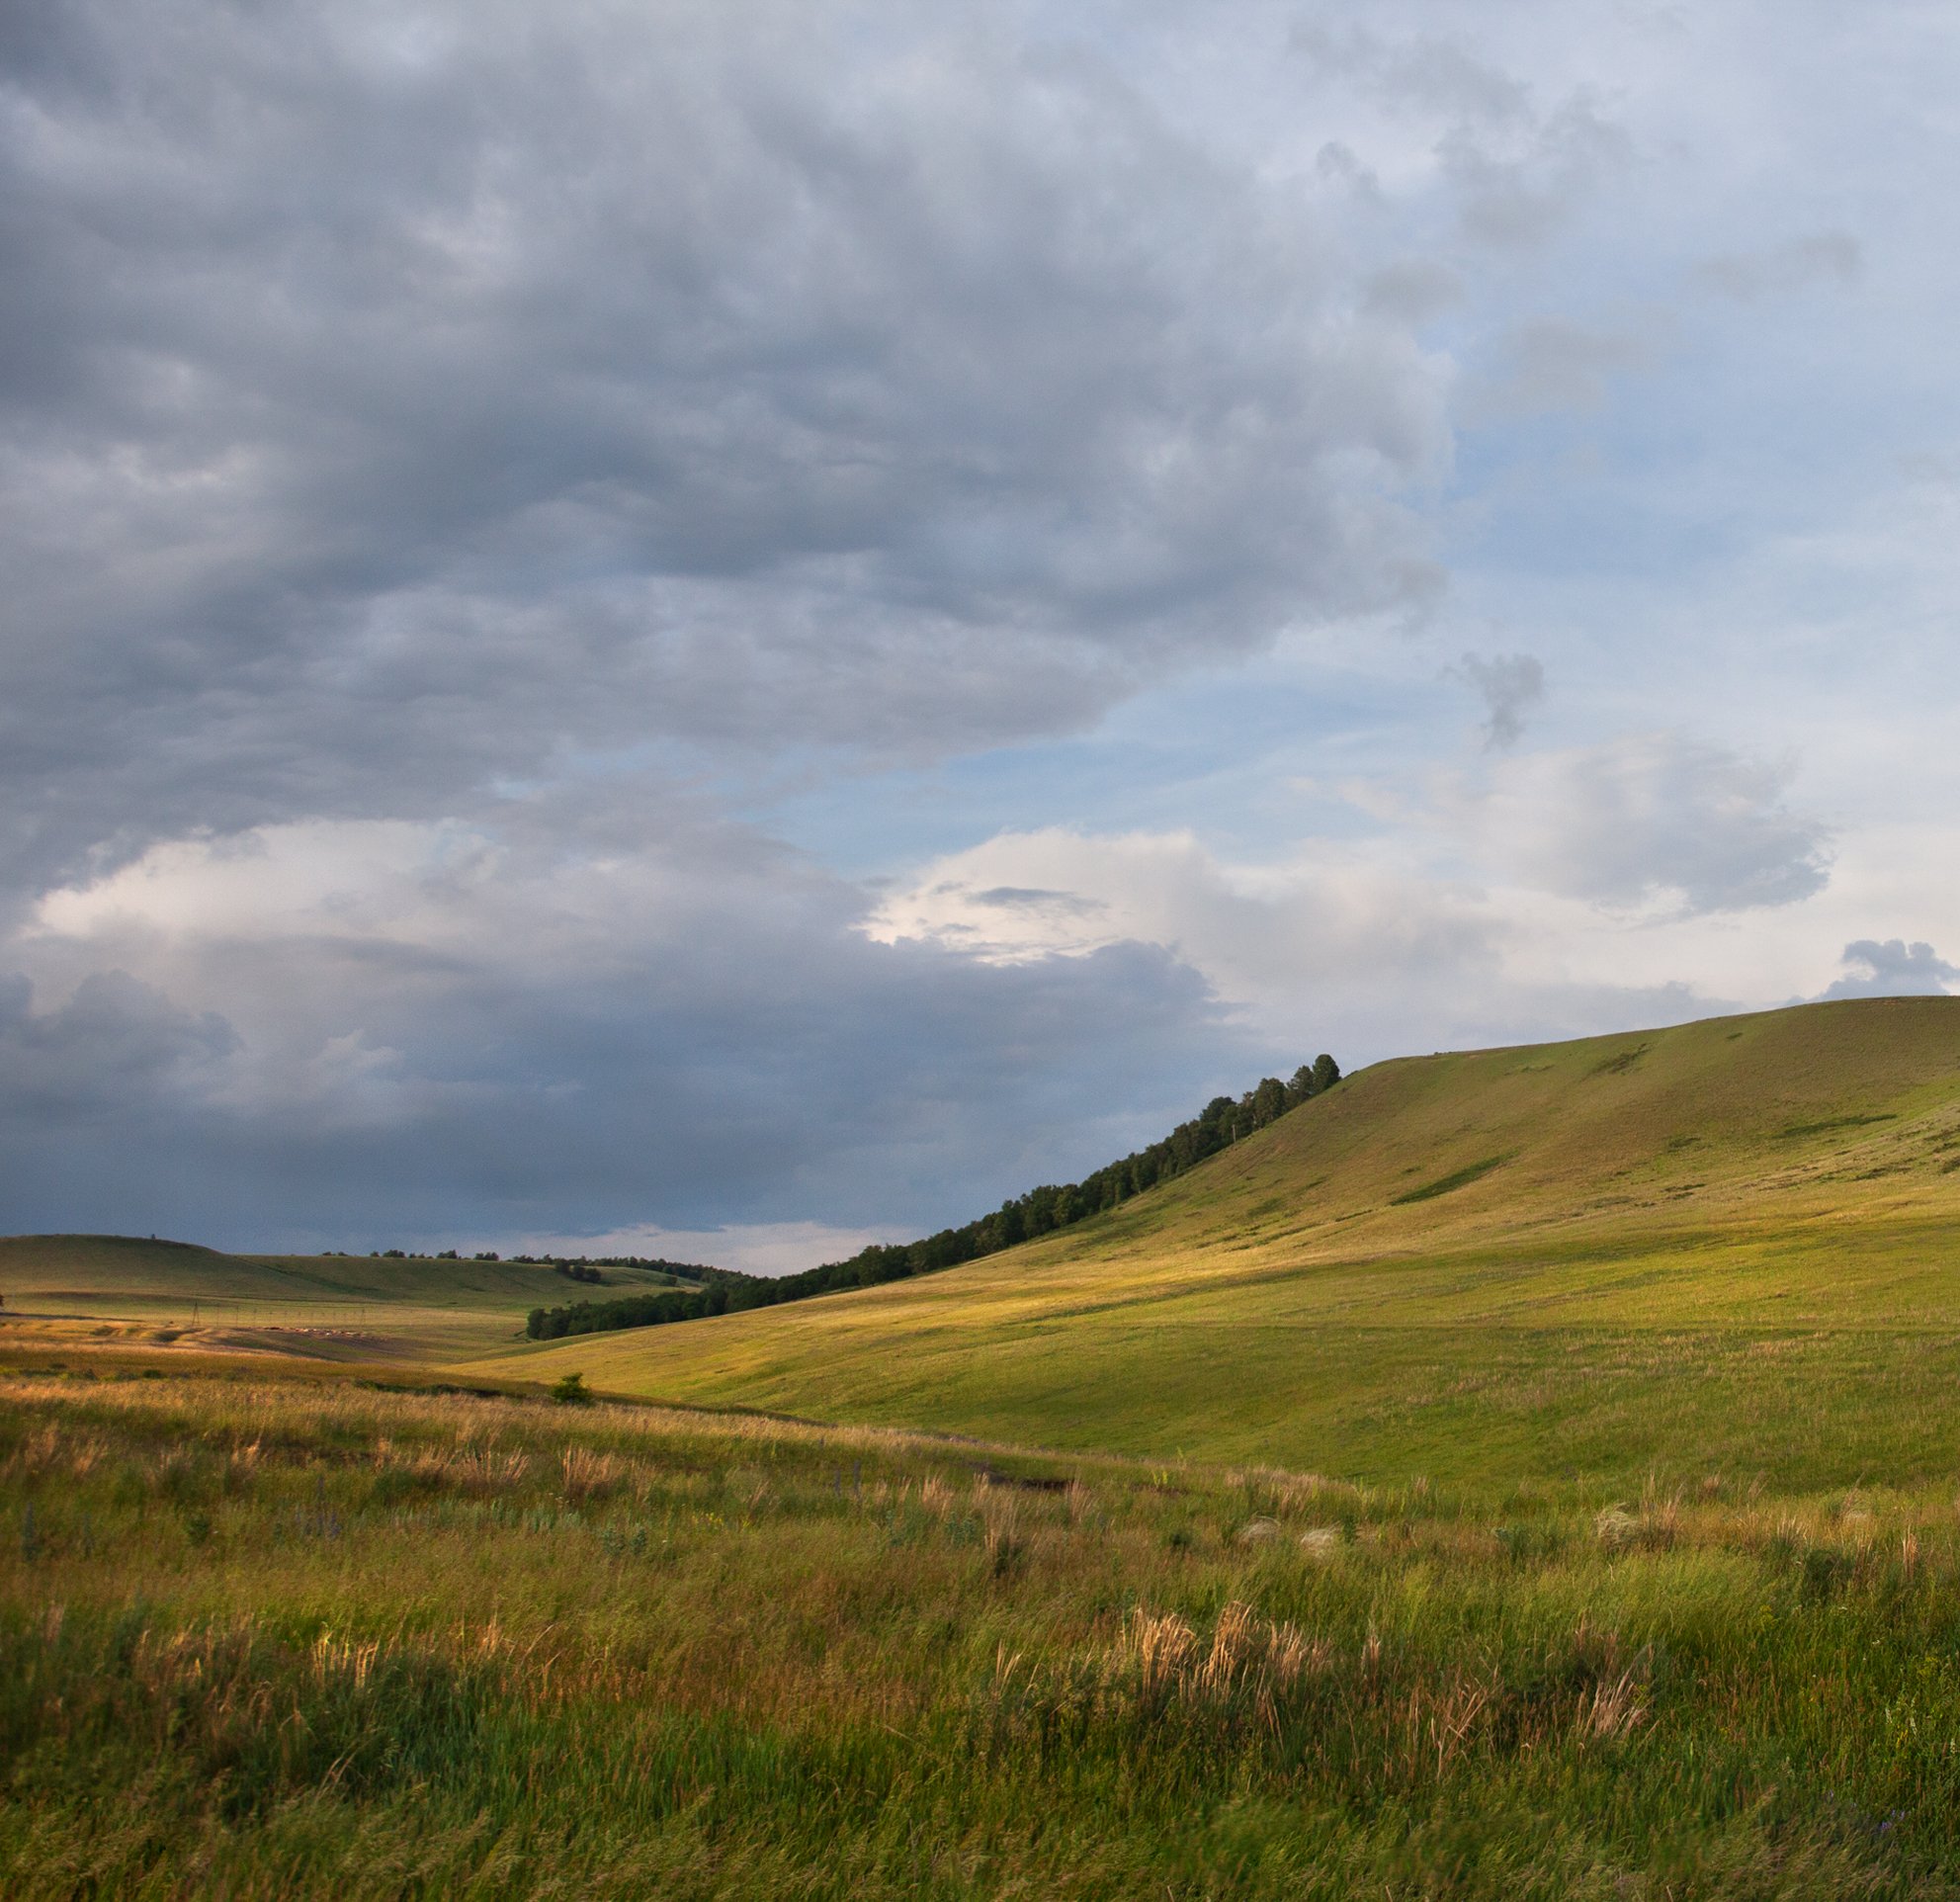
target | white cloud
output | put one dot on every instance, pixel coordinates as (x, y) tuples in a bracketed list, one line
[(1575, 884), (1650, 821)]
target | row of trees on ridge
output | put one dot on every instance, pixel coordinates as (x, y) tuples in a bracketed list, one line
[(1054, 1205)]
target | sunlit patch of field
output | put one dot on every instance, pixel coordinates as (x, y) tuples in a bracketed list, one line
[(119, 1290), (306, 1637)]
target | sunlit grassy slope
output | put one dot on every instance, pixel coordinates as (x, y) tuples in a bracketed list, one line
[(1727, 1244), (326, 1306)]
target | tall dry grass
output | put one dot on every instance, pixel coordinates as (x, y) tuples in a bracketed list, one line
[(264, 1640)]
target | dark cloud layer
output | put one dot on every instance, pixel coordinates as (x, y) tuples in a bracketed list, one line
[(386, 390), (114, 1044), (465, 415), (811, 1080)]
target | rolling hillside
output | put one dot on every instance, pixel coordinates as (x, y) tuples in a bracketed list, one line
[(1729, 1243)]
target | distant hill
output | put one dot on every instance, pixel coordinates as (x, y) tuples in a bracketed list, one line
[(1449, 1257), (48, 1267), (416, 1305)]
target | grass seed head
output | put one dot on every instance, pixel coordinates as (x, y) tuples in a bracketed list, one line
[(589, 1474)]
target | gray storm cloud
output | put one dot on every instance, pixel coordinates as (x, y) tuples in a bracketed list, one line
[(384, 386), (747, 1056), (484, 415), (1891, 968)]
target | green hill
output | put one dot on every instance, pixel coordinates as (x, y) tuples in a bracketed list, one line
[(1731, 1245)]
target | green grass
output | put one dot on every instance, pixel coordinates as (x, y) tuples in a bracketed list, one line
[(305, 1638), (1736, 1240)]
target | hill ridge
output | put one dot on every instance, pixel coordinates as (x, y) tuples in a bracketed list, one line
[(1734, 1178)]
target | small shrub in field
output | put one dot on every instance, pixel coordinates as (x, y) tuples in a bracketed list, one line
[(570, 1390)]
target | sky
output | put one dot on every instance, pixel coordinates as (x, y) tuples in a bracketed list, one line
[(722, 630)]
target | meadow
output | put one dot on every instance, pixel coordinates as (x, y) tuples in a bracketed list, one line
[(1525, 1472), (270, 1638)]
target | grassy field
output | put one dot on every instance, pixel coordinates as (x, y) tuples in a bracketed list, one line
[(264, 1639), (1733, 1244), (1529, 1473), (311, 1638), (126, 1292)]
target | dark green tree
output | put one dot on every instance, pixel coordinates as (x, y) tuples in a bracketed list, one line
[(1268, 1101)]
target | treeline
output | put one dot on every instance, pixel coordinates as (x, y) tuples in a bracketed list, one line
[(575, 1267), (585, 1267), (630, 1311), (719, 1290), (591, 1269), (1041, 1211)]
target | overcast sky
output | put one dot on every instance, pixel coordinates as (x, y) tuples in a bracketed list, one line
[(727, 628)]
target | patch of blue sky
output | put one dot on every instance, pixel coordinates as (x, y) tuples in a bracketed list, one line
[(1248, 756)]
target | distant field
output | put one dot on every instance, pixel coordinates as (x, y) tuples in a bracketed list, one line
[(124, 1292), (1732, 1244)]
